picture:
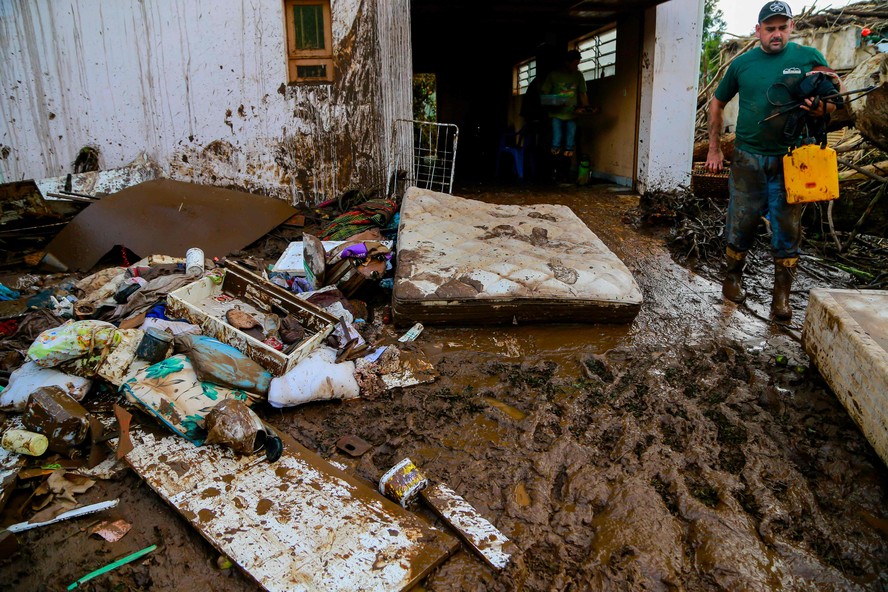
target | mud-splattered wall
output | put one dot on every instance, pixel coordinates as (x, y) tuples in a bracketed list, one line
[(201, 87)]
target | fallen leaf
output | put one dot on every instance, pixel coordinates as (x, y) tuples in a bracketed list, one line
[(111, 531), (65, 485)]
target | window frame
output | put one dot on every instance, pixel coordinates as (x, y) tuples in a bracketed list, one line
[(517, 89), (598, 70), (308, 57)]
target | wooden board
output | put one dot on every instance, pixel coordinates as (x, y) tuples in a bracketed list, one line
[(846, 335), (298, 524), (483, 537)]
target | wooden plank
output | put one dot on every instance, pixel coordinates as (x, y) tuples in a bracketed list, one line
[(482, 536), (298, 524), (846, 335)]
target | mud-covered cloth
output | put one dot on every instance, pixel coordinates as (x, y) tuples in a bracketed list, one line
[(171, 391), (370, 214), (756, 187)]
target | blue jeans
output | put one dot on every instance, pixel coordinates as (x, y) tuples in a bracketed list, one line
[(570, 131), (756, 188)]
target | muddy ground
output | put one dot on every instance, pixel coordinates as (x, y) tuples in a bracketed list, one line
[(693, 450)]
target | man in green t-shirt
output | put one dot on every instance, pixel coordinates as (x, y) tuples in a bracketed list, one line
[(566, 87), (767, 78)]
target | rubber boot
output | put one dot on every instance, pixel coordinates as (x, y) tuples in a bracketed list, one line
[(784, 274), (732, 288)]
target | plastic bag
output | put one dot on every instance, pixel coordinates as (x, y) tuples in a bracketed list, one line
[(30, 377), (316, 378), (88, 342)]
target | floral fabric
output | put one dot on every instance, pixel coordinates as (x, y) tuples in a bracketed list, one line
[(79, 345), (171, 391)]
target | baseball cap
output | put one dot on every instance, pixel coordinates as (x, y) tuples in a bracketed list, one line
[(775, 8)]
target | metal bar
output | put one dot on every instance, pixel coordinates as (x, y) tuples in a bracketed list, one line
[(23, 526)]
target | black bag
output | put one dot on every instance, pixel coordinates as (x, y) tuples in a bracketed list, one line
[(800, 123)]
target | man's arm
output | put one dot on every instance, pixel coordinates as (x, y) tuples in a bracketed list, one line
[(715, 159)]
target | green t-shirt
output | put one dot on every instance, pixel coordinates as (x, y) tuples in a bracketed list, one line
[(764, 81), (567, 85)]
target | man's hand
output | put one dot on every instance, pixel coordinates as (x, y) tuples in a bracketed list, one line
[(715, 160), (816, 107)]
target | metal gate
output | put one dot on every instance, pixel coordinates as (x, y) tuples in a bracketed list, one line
[(423, 154)]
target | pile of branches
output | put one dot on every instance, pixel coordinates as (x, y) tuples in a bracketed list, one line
[(872, 15), (696, 224), (841, 259)]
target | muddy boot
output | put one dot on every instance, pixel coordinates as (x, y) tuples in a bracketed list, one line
[(784, 273), (732, 288)]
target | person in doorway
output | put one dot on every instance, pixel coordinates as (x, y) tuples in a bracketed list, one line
[(766, 79), (566, 89), (536, 125)]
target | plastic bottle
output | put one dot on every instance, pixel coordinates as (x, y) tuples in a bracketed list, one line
[(25, 442), (583, 171)]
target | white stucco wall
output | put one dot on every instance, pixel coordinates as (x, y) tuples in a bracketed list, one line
[(670, 63), (200, 86)]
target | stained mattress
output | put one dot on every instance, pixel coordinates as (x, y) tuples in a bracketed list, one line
[(466, 261)]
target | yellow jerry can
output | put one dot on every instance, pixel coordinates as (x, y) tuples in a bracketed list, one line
[(811, 173)]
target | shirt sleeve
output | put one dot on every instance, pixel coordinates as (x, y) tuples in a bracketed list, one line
[(728, 86), (581, 82)]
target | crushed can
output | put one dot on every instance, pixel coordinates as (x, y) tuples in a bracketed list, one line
[(403, 482), (63, 421)]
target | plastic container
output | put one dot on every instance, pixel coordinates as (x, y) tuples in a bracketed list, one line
[(25, 442), (63, 421), (154, 345), (811, 173), (583, 171), (194, 261)]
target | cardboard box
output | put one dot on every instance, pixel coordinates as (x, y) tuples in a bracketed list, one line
[(205, 303)]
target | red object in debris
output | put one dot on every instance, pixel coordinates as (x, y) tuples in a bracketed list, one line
[(865, 32), (274, 343), (8, 327)]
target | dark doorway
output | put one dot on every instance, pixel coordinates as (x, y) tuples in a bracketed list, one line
[(472, 48)]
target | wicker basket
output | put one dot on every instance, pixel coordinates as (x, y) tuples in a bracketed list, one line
[(707, 184)]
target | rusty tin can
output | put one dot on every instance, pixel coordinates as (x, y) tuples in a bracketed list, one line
[(194, 261), (403, 482)]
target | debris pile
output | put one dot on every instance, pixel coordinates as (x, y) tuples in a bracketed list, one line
[(172, 357)]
